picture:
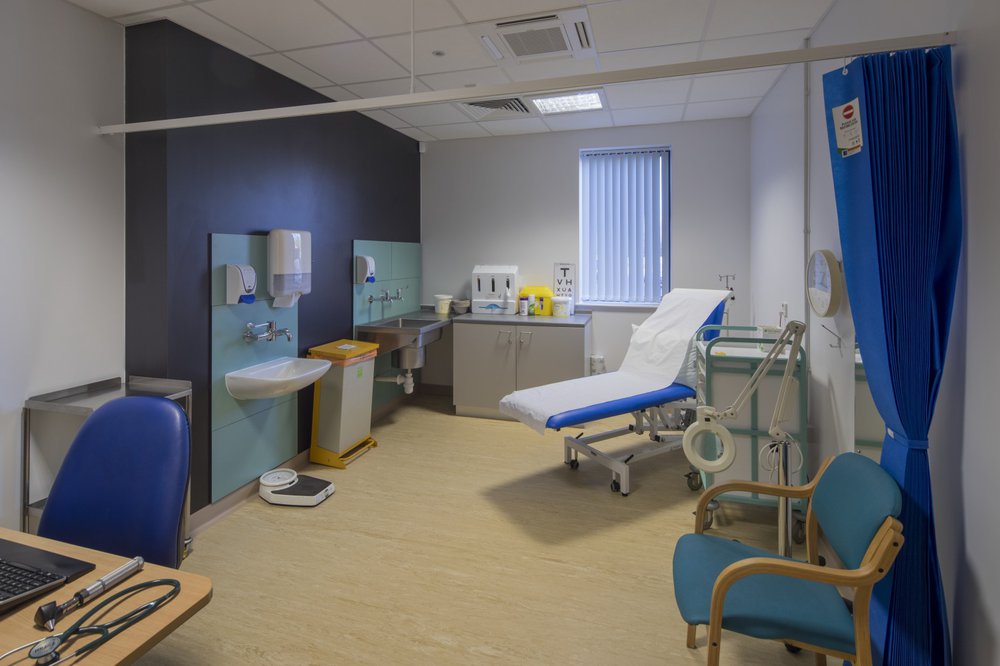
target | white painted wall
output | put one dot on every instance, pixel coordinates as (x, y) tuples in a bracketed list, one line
[(62, 210), (777, 200), (966, 455), (514, 200)]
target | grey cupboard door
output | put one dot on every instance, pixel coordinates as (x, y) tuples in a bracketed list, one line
[(548, 354), (485, 362)]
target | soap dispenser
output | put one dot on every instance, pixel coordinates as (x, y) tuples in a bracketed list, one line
[(241, 284), (364, 269)]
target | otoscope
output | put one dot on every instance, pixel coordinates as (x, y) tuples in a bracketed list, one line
[(48, 614)]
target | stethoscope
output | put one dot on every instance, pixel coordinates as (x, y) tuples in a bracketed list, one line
[(44, 649)]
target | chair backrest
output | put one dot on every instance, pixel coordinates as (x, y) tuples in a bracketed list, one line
[(123, 484), (851, 501)]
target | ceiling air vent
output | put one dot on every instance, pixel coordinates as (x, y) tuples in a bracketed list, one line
[(562, 35), (493, 109)]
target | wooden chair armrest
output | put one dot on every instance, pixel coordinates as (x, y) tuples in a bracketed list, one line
[(710, 494), (795, 492), (854, 578)]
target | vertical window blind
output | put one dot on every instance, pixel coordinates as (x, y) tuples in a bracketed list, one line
[(624, 225)]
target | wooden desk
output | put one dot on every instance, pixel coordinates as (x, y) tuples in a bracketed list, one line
[(18, 627)]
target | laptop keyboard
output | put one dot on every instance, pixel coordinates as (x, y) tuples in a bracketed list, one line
[(19, 582)]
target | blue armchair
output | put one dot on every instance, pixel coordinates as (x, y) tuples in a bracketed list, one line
[(123, 484), (728, 585)]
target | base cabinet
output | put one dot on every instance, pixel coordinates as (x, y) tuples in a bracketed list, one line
[(492, 360)]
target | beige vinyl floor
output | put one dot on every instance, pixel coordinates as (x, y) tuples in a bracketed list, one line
[(459, 541)]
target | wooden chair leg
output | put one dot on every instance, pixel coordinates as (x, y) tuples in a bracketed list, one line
[(692, 636), (714, 643), (820, 659)]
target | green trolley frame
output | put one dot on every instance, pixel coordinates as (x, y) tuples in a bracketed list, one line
[(710, 368)]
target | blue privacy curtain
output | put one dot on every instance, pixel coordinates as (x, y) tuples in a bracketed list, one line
[(894, 148)]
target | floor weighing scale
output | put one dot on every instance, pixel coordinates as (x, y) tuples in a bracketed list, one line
[(288, 487)]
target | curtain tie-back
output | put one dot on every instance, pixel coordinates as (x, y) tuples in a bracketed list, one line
[(908, 443)]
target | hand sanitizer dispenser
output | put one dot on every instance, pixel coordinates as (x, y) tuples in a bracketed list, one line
[(289, 262), (241, 283), (364, 269)]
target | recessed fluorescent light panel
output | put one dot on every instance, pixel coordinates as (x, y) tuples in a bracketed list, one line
[(589, 100)]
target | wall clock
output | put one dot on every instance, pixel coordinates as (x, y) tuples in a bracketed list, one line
[(824, 283)]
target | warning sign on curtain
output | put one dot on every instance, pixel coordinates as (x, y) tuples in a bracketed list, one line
[(564, 280), (847, 127)]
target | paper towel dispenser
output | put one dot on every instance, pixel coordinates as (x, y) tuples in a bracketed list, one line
[(289, 264)]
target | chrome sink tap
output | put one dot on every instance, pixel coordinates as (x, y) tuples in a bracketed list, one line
[(271, 333)]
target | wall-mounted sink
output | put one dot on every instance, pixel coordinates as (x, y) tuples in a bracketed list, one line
[(278, 377), (416, 329)]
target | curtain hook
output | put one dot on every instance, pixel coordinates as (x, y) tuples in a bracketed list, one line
[(847, 61)]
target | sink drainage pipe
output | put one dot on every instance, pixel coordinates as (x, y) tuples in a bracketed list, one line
[(406, 380)]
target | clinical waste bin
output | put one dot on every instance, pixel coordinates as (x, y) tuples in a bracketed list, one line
[(342, 403)]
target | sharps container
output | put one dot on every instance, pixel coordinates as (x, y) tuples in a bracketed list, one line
[(342, 403)]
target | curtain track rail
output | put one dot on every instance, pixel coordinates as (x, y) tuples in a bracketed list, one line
[(558, 84)]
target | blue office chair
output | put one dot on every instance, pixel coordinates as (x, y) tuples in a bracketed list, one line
[(728, 585), (123, 484)]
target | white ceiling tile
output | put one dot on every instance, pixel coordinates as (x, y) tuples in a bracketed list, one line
[(430, 114), (207, 26), (732, 18), (291, 69), (632, 24), (386, 88), (648, 57), (336, 93), (390, 17), (650, 115), (578, 121), (415, 133), (461, 50), (741, 46), (290, 24), (514, 126), (457, 131), (546, 69), (465, 79), (119, 7), (659, 92), (349, 63), (730, 108), (385, 118), (485, 10), (751, 83)]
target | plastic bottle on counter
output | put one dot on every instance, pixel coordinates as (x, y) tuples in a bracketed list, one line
[(531, 305)]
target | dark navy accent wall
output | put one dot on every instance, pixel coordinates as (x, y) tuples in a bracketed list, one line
[(341, 177)]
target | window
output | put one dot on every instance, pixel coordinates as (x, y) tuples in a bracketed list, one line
[(624, 225)]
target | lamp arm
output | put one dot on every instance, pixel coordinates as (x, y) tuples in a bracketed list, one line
[(797, 330), (791, 334)]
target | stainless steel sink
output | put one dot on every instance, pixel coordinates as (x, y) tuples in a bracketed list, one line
[(413, 330)]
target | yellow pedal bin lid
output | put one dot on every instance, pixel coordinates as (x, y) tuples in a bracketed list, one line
[(344, 352)]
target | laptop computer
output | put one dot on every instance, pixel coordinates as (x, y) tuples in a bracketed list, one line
[(27, 572)]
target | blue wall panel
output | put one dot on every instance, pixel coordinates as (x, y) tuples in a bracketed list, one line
[(340, 176)]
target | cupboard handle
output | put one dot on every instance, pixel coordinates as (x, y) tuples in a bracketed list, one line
[(510, 336), (521, 337)]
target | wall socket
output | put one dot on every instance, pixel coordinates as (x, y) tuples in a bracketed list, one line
[(597, 366)]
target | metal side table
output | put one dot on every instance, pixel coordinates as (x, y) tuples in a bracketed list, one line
[(82, 401)]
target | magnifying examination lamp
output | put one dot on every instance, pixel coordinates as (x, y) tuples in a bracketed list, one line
[(709, 418)]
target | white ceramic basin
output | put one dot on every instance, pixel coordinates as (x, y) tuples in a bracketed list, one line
[(278, 377)]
